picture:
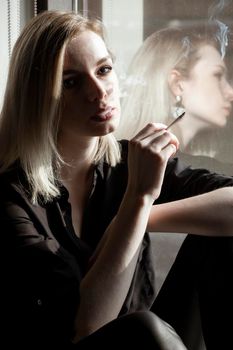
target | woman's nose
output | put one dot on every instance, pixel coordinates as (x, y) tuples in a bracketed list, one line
[(96, 89), (229, 91)]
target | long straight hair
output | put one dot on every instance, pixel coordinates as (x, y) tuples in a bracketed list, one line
[(147, 96), (30, 115)]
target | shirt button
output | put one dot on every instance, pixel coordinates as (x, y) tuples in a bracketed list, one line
[(39, 302)]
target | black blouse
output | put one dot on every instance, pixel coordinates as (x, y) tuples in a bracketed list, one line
[(44, 261)]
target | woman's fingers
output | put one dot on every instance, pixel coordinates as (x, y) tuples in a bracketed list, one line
[(156, 136), (149, 152), (159, 142), (149, 129)]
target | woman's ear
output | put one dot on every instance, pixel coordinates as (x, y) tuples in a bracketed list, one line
[(175, 82)]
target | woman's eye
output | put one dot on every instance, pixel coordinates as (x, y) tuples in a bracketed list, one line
[(105, 70), (69, 83), (220, 75)]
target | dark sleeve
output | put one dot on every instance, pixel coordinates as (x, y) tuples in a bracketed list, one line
[(40, 281), (181, 181)]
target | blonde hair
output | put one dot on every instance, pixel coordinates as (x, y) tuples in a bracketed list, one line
[(146, 93), (31, 109)]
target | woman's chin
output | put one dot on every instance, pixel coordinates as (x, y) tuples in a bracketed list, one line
[(111, 128), (106, 130)]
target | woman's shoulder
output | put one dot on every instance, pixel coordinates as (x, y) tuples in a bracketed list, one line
[(7, 179), (210, 163), (14, 186)]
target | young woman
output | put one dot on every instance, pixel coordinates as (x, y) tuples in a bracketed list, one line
[(75, 204), (176, 70)]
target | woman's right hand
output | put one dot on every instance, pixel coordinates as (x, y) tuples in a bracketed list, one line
[(148, 154)]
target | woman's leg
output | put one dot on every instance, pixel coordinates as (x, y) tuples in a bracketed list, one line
[(216, 294), (141, 329), (177, 298), (200, 281)]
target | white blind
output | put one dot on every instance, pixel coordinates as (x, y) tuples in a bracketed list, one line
[(14, 15)]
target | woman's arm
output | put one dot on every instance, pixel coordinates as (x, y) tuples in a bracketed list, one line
[(106, 284), (208, 214)]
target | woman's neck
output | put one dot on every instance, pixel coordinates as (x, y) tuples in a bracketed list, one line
[(78, 154), (186, 129)]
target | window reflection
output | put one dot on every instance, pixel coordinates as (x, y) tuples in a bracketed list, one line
[(177, 69)]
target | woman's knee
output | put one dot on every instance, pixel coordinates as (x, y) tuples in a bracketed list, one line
[(154, 330), (140, 329)]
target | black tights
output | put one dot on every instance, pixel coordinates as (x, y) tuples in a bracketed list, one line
[(201, 277), (141, 329)]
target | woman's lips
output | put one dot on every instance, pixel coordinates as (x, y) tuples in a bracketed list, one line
[(104, 115), (228, 110)]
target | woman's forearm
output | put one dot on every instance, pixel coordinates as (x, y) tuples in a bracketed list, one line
[(208, 214), (107, 282)]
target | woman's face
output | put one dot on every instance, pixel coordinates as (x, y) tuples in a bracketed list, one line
[(207, 95), (91, 104)]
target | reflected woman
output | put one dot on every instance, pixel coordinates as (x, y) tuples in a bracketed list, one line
[(179, 69)]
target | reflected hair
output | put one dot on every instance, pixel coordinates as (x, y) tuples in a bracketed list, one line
[(32, 104), (146, 93)]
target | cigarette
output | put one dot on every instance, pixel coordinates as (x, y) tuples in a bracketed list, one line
[(175, 121)]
